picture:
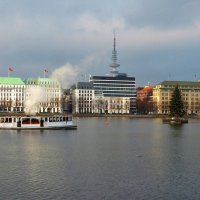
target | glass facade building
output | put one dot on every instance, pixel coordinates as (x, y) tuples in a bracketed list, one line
[(119, 85)]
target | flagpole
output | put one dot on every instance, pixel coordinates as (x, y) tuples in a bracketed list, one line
[(9, 70), (45, 72)]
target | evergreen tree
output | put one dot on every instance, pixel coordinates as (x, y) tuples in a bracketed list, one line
[(176, 104)]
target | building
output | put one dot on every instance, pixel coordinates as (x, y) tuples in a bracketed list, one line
[(116, 92), (83, 98), (12, 94), (67, 101), (190, 92), (144, 92), (145, 100), (43, 95), (31, 96)]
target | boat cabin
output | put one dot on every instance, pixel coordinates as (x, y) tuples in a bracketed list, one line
[(34, 121)]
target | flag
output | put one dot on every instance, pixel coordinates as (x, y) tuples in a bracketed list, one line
[(10, 69)]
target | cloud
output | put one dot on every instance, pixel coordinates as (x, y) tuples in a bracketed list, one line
[(86, 32), (151, 37), (47, 34)]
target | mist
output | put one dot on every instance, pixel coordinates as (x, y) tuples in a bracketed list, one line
[(68, 74), (35, 96)]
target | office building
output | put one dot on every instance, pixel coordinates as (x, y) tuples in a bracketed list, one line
[(190, 92), (116, 91)]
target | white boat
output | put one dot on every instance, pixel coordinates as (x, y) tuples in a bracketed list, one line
[(37, 122)]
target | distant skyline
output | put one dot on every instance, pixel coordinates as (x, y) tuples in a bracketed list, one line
[(157, 40)]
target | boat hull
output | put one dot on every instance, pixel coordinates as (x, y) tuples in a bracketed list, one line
[(40, 128)]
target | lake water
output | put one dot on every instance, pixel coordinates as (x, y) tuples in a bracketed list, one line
[(105, 159)]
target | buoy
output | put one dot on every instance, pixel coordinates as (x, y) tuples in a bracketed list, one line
[(107, 123)]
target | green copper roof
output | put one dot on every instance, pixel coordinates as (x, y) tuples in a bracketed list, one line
[(41, 81), (180, 83), (11, 81)]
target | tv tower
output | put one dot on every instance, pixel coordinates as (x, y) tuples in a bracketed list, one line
[(114, 64)]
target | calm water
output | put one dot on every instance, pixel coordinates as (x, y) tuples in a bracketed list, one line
[(115, 159)]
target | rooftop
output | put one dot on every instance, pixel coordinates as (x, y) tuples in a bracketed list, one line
[(84, 85), (39, 81), (180, 83), (11, 81), (117, 77)]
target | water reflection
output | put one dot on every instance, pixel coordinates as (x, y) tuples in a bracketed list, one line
[(176, 129), (123, 159)]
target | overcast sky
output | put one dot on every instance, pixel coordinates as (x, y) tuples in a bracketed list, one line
[(156, 39)]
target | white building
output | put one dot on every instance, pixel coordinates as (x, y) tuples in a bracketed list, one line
[(83, 98), (12, 94), (43, 95), (32, 95)]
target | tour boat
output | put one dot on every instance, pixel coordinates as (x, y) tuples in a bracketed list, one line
[(37, 122)]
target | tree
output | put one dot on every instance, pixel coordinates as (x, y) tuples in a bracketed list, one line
[(176, 104)]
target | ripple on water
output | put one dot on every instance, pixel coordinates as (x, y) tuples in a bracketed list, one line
[(100, 162)]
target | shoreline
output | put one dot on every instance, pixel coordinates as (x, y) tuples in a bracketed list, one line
[(130, 116), (161, 116), (119, 115)]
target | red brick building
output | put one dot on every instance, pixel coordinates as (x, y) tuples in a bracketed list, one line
[(145, 100)]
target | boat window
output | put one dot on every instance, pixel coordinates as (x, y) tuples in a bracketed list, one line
[(57, 119), (14, 119), (2, 120), (61, 119), (6, 120), (50, 119), (34, 121), (54, 119), (25, 120), (45, 119)]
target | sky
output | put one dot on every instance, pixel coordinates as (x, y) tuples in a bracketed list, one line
[(157, 40)]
